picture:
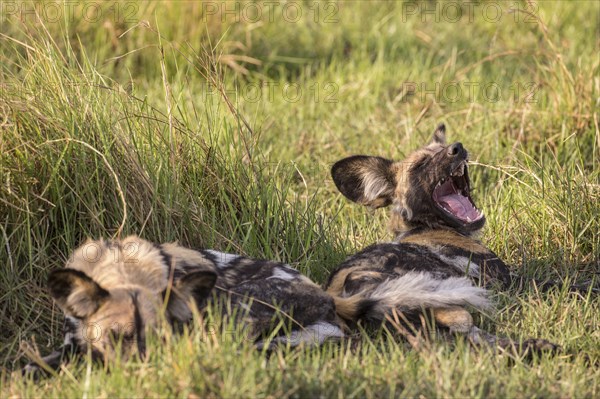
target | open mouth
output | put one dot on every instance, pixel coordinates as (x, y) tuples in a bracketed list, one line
[(452, 195)]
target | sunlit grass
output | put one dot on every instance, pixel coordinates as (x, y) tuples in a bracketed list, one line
[(177, 126)]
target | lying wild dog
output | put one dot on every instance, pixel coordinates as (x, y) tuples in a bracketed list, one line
[(113, 293), (435, 262)]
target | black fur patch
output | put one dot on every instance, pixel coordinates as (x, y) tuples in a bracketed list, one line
[(439, 135), (395, 260), (199, 284), (364, 310), (210, 256), (62, 282)]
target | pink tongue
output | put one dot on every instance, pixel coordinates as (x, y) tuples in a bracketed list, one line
[(460, 206)]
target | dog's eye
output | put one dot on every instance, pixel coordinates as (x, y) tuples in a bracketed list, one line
[(120, 336), (114, 335), (128, 337)]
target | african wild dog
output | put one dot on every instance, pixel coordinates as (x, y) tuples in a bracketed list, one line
[(112, 293), (435, 261)]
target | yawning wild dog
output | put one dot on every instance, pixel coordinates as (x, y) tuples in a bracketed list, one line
[(435, 262), (112, 293)]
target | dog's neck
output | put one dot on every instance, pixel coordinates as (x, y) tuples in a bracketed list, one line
[(404, 233)]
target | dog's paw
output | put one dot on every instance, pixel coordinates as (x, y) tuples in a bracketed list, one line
[(33, 371), (539, 345)]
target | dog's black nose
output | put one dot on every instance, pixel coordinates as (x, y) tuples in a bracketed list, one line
[(455, 149)]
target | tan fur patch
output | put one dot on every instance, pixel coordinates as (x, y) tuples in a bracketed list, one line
[(337, 284), (443, 238), (336, 287), (456, 318), (130, 261), (181, 255), (346, 308), (366, 273)]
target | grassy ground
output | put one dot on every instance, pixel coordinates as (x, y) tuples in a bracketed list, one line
[(215, 124)]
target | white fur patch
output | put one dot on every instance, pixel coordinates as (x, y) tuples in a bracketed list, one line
[(283, 274), (315, 334), (69, 335), (374, 185), (462, 263), (69, 339), (403, 211), (421, 290), (223, 259)]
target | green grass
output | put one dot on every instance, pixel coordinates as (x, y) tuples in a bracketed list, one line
[(115, 124)]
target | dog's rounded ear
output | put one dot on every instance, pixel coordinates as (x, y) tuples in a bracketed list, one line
[(193, 287), (367, 180), (197, 285), (76, 293), (439, 135)]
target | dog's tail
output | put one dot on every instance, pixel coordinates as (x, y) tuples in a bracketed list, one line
[(410, 292)]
